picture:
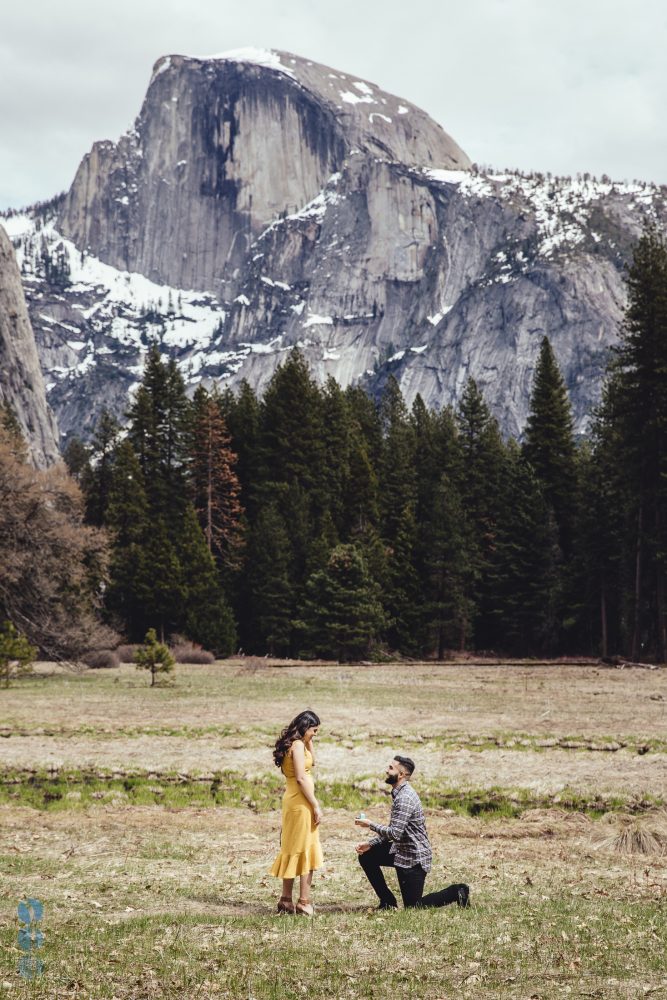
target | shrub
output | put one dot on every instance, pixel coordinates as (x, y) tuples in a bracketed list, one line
[(126, 652), (101, 659), (252, 664), (636, 834), (189, 653), (16, 653)]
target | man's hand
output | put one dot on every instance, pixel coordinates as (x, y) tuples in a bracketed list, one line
[(362, 848), (362, 822)]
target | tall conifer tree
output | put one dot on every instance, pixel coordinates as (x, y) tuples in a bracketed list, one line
[(635, 413), (525, 575), (342, 613), (447, 571), (214, 485), (549, 444), (482, 460), (157, 426), (268, 596), (205, 616), (97, 474), (128, 523)]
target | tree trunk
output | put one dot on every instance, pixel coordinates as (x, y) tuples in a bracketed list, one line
[(636, 632), (441, 641), (603, 619), (661, 623), (209, 492), (660, 616)]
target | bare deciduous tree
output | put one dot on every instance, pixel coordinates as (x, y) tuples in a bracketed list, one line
[(52, 566)]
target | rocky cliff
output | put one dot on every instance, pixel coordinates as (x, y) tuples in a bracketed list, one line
[(21, 381), (262, 201), (221, 148)]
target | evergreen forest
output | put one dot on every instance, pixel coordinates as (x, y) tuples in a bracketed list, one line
[(315, 521)]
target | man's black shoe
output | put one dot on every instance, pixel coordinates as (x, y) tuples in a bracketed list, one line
[(387, 906), (462, 896)]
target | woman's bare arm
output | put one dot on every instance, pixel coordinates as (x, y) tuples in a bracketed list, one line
[(302, 779)]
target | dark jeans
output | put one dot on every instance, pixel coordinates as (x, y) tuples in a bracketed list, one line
[(410, 880)]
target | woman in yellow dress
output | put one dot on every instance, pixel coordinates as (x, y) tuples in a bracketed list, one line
[(300, 852)]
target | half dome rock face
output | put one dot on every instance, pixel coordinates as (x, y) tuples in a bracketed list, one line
[(222, 147), (21, 382)]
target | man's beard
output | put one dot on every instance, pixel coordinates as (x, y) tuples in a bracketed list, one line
[(391, 779)]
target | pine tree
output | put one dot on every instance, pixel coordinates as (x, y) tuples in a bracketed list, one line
[(402, 593), (337, 431), (635, 412), (154, 656), (76, 457), (268, 598), (482, 459), (360, 488), (342, 614), (242, 416), (205, 614), (157, 431), (291, 446), (602, 548), (397, 479), (159, 587), (397, 501), (525, 586), (128, 522), (549, 444), (365, 414), (214, 485), (97, 474), (447, 606)]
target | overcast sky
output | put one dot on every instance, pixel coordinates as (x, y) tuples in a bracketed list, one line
[(569, 86)]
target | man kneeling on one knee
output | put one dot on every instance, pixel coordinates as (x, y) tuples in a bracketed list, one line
[(403, 845)]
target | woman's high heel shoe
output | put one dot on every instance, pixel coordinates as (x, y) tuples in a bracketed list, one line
[(304, 908), (285, 905)]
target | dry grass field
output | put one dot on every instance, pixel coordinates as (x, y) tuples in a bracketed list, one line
[(145, 821)]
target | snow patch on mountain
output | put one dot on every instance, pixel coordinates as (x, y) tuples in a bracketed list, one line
[(260, 57), (561, 205)]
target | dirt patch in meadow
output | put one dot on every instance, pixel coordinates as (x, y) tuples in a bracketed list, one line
[(547, 771)]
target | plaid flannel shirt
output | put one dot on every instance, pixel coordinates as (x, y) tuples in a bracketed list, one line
[(406, 830)]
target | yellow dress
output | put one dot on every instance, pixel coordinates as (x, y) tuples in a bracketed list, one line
[(300, 850)]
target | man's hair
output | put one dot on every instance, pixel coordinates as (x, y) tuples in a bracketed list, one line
[(406, 762)]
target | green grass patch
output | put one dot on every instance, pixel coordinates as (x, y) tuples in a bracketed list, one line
[(67, 790)]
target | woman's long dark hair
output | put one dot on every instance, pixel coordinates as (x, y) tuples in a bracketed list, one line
[(294, 731)]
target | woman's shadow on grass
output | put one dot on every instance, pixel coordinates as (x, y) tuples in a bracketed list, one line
[(243, 908)]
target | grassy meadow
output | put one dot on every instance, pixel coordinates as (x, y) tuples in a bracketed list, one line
[(145, 821)]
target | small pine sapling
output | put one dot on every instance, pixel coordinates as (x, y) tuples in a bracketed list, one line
[(154, 656)]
